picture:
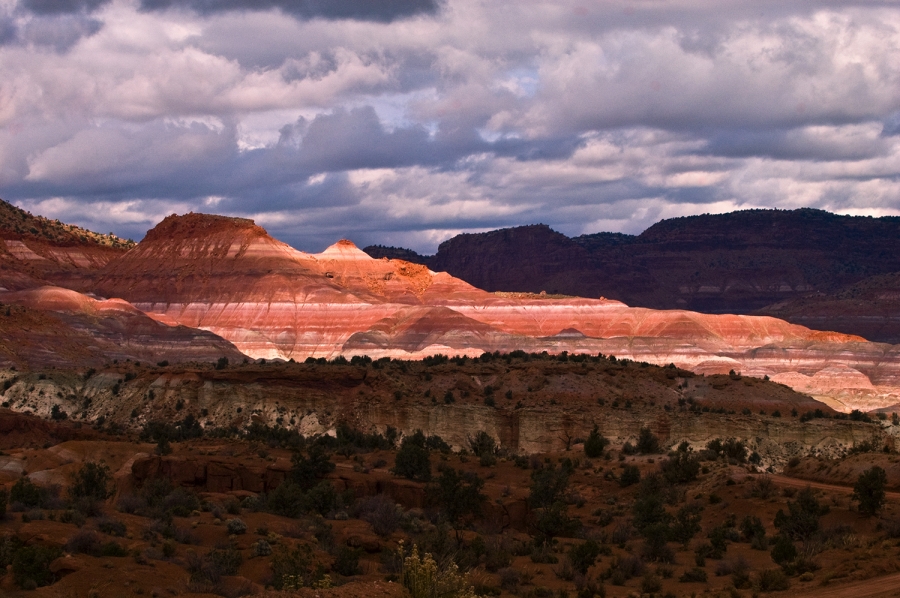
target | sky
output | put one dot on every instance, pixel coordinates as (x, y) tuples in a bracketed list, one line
[(406, 122)]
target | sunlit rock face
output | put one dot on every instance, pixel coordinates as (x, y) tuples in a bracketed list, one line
[(52, 326), (229, 277)]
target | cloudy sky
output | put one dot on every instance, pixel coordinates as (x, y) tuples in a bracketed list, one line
[(404, 122)]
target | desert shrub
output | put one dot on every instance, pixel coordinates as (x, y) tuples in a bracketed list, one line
[(112, 527), (648, 443), (695, 574), (358, 440), (25, 494), (482, 443), (595, 444), (159, 500), (772, 580), (422, 577), (682, 467), (261, 548), (655, 547), (650, 584), (583, 555), (543, 553), (649, 508), (180, 502), (802, 519), (85, 542), (307, 470), (31, 565), (457, 494), (686, 524), (627, 567), (869, 490), (496, 556), (549, 485), (294, 568), (753, 531), (287, 500), (236, 526), (208, 568), (783, 551), (113, 549), (89, 487), (891, 528), (510, 580), (382, 513), (8, 547), (630, 475), (731, 567), (413, 460), (346, 561), (590, 588), (762, 487)]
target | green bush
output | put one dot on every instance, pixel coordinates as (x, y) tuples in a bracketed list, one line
[(630, 475), (869, 490), (695, 574), (648, 443), (294, 568), (482, 444), (583, 555), (25, 493), (91, 482), (682, 467), (413, 460), (457, 494), (307, 470), (31, 565), (784, 551), (772, 580), (753, 531), (422, 577), (346, 562), (802, 519), (595, 444)]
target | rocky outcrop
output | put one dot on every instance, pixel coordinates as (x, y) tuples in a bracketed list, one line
[(536, 405)]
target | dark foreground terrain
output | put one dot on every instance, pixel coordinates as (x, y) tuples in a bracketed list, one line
[(654, 481)]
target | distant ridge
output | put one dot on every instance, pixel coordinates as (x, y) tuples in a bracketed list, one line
[(740, 262)]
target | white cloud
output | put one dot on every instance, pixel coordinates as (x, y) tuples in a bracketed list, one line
[(575, 114)]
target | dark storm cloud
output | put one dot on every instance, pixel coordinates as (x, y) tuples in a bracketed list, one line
[(792, 145), (60, 32), (891, 125), (56, 7), (383, 11)]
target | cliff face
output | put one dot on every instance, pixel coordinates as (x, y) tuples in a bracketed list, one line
[(550, 405), (727, 263)]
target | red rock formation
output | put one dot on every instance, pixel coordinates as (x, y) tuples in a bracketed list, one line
[(59, 327), (228, 276)]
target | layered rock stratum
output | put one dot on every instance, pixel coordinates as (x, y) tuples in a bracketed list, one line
[(229, 279), (228, 276)]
